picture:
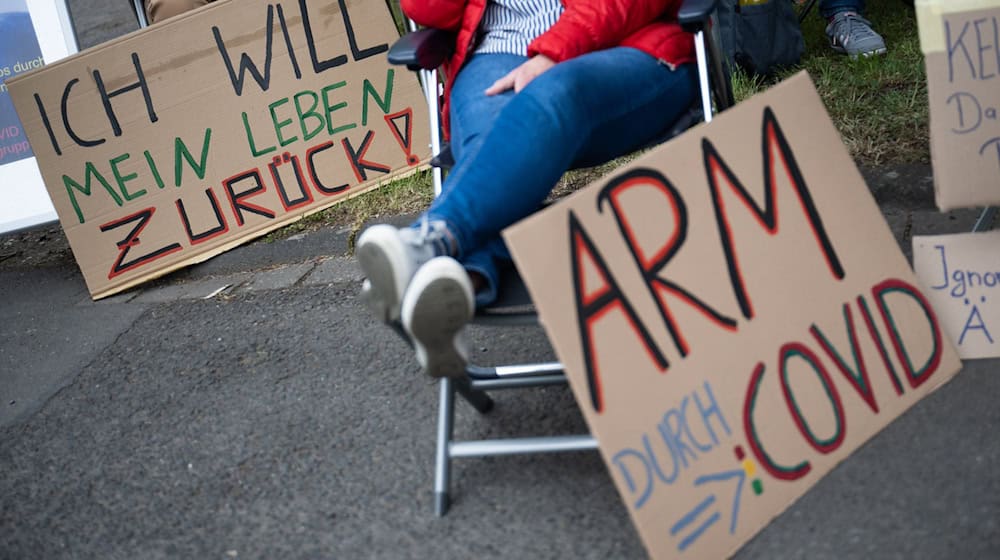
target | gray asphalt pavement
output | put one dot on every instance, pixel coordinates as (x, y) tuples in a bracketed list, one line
[(274, 419)]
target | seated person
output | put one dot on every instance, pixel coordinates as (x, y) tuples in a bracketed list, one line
[(848, 31), (534, 87), (159, 10)]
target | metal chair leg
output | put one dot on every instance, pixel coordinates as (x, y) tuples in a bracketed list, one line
[(442, 463), (477, 398), (140, 13), (985, 220)]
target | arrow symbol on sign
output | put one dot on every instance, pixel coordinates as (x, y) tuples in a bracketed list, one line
[(695, 513)]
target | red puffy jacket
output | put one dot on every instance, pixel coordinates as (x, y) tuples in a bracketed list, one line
[(585, 26)]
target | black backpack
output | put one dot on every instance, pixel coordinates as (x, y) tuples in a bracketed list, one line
[(760, 36)]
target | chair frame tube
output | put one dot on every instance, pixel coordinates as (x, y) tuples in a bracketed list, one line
[(706, 96), (140, 13), (519, 446), (985, 220)]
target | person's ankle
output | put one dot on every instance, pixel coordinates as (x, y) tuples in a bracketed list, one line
[(479, 282), (843, 13), (436, 232)]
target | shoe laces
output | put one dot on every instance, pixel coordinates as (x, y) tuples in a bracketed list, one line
[(853, 25), (432, 233)]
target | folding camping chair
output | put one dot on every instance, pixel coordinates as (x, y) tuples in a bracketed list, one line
[(424, 51)]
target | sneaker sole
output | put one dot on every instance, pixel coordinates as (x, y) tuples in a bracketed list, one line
[(876, 52), (377, 250), (442, 308)]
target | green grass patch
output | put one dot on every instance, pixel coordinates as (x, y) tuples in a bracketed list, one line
[(406, 195), (878, 104)]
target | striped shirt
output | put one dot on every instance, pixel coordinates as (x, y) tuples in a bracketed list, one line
[(509, 26)]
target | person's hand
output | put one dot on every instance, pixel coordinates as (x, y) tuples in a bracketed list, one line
[(521, 76)]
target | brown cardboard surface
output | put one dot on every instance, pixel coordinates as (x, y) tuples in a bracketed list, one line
[(961, 276), (174, 143), (963, 83), (932, 37), (735, 318)]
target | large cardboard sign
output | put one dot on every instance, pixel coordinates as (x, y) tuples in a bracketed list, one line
[(30, 34), (735, 318), (961, 274), (187, 138), (961, 45)]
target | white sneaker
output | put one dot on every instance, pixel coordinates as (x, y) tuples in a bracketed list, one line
[(438, 304), (390, 256)]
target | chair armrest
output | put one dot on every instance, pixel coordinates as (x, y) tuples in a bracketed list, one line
[(425, 49), (693, 14)]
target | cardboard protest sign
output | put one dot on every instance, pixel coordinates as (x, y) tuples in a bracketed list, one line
[(735, 318), (182, 140), (961, 44), (961, 276), (29, 36)]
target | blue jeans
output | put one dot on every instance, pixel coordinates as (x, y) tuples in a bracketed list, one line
[(829, 7), (511, 149)]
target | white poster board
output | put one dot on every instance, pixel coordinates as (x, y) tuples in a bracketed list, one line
[(32, 32)]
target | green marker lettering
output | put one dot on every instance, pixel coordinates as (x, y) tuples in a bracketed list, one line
[(309, 113), (122, 180), (89, 172), (279, 125), (181, 152), (152, 167), (253, 147), (329, 109), (384, 102)]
